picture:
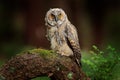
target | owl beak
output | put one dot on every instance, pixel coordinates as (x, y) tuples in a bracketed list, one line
[(56, 19)]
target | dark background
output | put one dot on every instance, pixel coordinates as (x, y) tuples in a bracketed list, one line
[(22, 24)]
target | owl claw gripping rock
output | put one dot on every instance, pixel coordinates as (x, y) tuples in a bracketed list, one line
[(62, 34)]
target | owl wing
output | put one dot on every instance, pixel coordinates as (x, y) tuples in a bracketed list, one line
[(73, 42)]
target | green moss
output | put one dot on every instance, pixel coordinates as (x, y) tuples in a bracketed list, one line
[(41, 52)]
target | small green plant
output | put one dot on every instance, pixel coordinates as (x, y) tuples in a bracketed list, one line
[(100, 64)]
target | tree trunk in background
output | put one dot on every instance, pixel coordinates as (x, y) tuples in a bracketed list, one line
[(96, 10), (35, 27)]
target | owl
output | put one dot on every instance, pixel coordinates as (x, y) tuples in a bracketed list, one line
[(62, 34)]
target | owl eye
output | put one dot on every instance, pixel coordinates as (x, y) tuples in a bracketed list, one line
[(60, 16), (51, 16)]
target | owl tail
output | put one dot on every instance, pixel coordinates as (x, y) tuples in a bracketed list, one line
[(76, 60)]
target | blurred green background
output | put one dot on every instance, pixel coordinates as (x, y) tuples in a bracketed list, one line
[(22, 24)]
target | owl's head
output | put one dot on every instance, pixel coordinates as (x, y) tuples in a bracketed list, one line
[(55, 17)]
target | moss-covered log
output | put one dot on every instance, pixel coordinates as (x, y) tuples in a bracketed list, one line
[(40, 62)]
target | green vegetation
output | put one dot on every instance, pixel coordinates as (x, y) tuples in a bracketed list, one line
[(42, 52), (102, 65)]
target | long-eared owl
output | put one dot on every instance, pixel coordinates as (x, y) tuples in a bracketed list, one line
[(62, 34)]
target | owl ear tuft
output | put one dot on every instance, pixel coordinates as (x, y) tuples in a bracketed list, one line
[(60, 8)]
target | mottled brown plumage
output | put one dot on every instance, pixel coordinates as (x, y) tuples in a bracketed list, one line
[(62, 34)]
